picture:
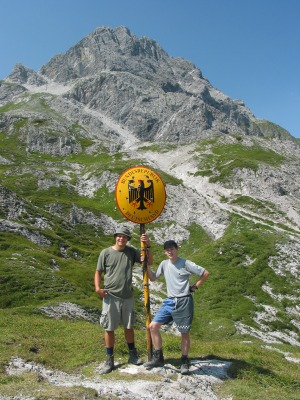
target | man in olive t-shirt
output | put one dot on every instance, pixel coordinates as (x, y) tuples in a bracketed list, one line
[(116, 264)]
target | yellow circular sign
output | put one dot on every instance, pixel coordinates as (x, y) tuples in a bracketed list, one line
[(140, 195)]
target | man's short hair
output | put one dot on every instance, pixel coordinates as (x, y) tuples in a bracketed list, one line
[(170, 243)]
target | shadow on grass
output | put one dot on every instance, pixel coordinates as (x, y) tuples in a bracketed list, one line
[(209, 366), (243, 370)]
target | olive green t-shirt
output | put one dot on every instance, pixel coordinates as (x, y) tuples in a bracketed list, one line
[(117, 268)]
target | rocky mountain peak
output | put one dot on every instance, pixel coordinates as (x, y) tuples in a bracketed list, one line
[(105, 49), (135, 83), (25, 75)]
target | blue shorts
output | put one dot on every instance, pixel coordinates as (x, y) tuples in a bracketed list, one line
[(177, 309)]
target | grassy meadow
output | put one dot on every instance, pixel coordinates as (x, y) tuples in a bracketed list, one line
[(76, 346)]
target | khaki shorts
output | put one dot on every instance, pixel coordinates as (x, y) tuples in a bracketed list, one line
[(116, 311)]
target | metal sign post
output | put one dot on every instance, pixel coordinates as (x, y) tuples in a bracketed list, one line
[(141, 196)]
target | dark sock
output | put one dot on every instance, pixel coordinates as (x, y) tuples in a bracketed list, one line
[(109, 351), (183, 357), (130, 346)]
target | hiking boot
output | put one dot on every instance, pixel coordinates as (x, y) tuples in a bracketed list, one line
[(185, 366), (157, 360), (134, 357), (108, 366)]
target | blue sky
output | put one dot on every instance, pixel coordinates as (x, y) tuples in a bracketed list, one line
[(248, 49)]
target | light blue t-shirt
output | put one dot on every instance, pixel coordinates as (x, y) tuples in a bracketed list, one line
[(177, 275)]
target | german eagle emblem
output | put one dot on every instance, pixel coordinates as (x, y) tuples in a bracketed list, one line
[(139, 194)]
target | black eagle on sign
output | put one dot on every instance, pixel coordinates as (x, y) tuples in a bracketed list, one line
[(141, 194)]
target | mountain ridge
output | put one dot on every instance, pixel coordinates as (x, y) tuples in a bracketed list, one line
[(146, 81)]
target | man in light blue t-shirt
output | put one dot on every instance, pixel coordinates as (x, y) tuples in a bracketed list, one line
[(178, 306)]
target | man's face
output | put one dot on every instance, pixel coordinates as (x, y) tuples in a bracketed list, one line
[(121, 240), (171, 252)]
